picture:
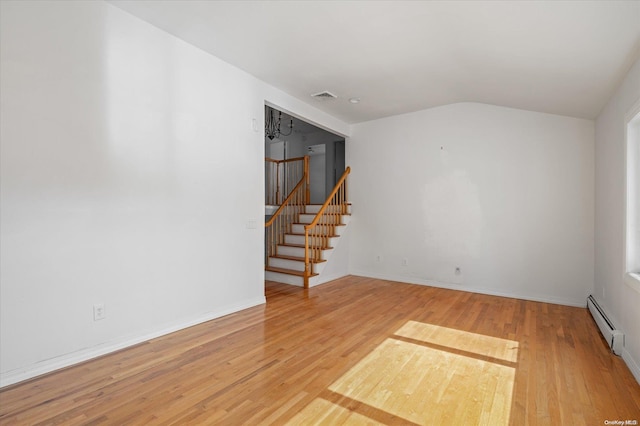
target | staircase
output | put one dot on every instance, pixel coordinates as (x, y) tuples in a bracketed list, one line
[(300, 237), (287, 264)]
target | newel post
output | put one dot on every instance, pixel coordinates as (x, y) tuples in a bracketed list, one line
[(307, 179), (307, 264)]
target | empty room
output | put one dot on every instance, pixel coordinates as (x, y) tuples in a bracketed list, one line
[(319, 212)]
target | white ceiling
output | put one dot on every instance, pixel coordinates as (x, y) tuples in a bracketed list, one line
[(559, 57)]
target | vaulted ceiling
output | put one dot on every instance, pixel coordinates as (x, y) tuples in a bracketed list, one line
[(559, 57)]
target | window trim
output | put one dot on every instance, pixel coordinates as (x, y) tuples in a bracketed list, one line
[(631, 278)]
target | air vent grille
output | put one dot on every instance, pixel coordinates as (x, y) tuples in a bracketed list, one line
[(324, 95)]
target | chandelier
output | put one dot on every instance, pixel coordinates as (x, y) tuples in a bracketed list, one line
[(272, 125)]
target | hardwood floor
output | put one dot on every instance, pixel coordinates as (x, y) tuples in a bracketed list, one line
[(354, 351)]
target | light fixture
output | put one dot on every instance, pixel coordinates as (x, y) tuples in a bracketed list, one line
[(272, 125), (354, 100)]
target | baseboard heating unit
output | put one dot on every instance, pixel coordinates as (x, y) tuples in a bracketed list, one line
[(615, 338)]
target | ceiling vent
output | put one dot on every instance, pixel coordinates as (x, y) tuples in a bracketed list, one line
[(324, 95)]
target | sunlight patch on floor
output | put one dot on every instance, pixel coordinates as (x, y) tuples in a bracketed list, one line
[(480, 344), (322, 412), (438, 376)]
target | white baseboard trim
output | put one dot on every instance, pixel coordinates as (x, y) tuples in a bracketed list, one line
[(632, 364), (327, 279), (67, 360), (414, 280)]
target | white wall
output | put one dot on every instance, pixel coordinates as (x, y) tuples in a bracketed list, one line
[(317, 171), (621, 301), (130, 171), (504, 194)]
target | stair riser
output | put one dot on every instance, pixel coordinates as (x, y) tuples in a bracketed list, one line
[(290, 251), (332, 230), (284, 278), (313, 209), (299, 239), (289, 279), (295, 265), (332, 219), (296, 251)]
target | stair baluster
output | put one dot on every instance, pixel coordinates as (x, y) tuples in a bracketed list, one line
[(290, 209), (316, 234)]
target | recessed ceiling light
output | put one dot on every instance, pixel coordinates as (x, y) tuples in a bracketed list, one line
[(354, 100)]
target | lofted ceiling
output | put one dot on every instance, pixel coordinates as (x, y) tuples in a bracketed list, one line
[(558, 57)]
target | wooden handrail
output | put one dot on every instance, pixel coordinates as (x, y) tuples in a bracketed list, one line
[(321, 228), (285, 203), (329, 198), (288, 160), (288, 213), (329, 215), (282, 175)]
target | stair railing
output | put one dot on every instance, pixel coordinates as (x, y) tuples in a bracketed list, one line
[(283, 175), (322, 227), (288, 213)]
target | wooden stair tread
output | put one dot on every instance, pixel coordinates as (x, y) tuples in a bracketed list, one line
[(347, 204), (301, 246), (300, 259), (334, 214), (302, 235), (287, 271), (321, 224)]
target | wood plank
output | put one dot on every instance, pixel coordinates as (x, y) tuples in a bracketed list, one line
[(298, 259), (288, 271), (353, 351)]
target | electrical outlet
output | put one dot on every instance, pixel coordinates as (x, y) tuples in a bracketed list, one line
[(379, 258), (98, 311), (458, 271), (405, 262)]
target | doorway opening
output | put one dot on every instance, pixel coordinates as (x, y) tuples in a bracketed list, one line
[(299, 138)]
